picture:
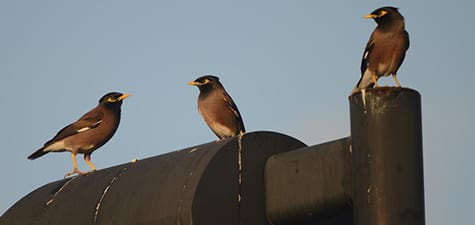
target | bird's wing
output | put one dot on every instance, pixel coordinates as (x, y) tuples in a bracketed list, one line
[(88, 121), (406, 37), (367, 51), (401, 51), (231, 104), (233, 108)]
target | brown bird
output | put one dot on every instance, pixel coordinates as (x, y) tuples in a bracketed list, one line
[(88, 133), (385, 50), (217, 108)]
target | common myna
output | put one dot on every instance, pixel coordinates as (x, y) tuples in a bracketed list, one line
[(386, 48), (217, 107), (88, 133)]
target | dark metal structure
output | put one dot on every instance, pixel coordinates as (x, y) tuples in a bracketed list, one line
[(386, 130), (198, 185), (261, 178), (310, 185)]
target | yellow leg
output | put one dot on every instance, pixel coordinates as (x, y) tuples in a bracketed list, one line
[(395, 79), (375, 80), (75, 166), (87, 158)]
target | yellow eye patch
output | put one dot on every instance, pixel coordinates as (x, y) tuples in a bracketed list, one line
[(382, 13), (110, 99)]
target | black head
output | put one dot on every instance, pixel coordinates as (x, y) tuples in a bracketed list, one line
[(206, 82), (385, 14), (113, 98)]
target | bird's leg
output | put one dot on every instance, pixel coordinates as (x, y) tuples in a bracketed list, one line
[(75, 166), (87, 158), (374, 77), (395, 79)]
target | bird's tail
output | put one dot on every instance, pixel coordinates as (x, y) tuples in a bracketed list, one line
[(38, 153), (364, 82), (356, 89)]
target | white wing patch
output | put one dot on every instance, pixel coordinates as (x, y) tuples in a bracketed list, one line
[(88, 128), (366, 53), (83, 129)]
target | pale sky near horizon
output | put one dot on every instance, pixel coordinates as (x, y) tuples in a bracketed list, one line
[(289, 65)]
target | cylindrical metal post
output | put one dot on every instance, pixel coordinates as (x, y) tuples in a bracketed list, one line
[(386, 136)]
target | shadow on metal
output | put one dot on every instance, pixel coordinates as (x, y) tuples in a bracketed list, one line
[(310, 185), (198, 185)]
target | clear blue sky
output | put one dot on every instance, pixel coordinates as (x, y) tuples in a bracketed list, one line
[(289, 65)]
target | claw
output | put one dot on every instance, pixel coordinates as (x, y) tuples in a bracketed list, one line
[(76, 171), (89, 172)]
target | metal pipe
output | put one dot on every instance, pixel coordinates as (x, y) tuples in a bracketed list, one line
[(386, 135)]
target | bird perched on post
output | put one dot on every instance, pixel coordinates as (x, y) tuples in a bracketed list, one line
[(386, 48), (217, 108), (88, 133)]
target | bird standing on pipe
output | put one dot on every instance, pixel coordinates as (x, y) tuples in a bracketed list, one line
[(385, 50), (88, 133), (218, 108)]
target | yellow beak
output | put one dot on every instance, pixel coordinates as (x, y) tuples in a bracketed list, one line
[(370, 16), (123, 96)]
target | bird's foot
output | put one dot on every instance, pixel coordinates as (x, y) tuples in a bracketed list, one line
[(90, 171), (76, 171)]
